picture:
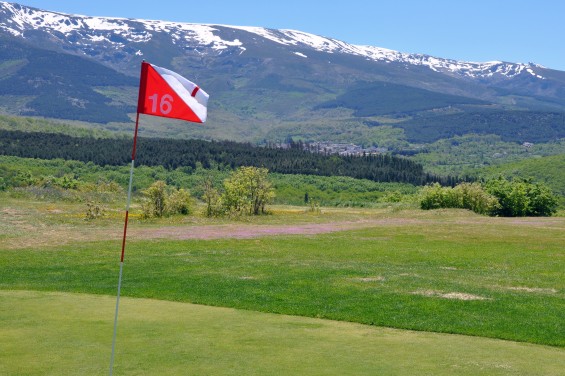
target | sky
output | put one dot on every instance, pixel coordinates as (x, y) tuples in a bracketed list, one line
[(518, 31)]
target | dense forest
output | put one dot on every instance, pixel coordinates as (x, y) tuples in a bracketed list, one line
[(511, 126), (385, 98), (172, 154)]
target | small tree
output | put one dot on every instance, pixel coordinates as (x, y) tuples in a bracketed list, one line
[(179, 202), (155, 200), (212, 199), (247, 191), (161, 200)]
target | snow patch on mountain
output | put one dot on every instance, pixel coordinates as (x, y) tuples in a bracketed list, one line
[(100, 29), (329, 45), (114, 33)]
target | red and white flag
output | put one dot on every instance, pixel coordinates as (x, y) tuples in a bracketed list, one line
[(165, 93)]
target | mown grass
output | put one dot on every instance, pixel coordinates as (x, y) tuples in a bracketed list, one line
[(43, 333), (402, 273)]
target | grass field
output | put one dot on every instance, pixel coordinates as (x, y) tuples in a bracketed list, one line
[(438, 271), (70, 334)]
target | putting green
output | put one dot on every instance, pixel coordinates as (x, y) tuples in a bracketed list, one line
[(70, 334)]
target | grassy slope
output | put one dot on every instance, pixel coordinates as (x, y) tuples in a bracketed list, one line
[(68, 127), (468, 154), (550, 170), (70, 334)]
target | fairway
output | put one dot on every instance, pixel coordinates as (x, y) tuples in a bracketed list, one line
[(292, 293), (69, 334)]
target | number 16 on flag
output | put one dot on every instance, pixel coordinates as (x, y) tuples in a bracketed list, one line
[(165, 93)]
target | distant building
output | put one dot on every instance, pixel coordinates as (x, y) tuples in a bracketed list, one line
[(343, 148)]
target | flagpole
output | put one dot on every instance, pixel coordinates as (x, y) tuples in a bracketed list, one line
[(124, 243)]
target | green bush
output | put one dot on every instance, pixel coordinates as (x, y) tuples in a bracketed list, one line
[(179, 202), (500, 197), (469, 196), (213, 199), (161, 200), (522, 197), (472, 196), (247, 191), (154, 201)]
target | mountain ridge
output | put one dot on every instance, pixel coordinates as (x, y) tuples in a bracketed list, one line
[(265, 84), (70, 25)]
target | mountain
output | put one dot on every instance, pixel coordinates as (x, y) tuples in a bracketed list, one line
[(266, 84)]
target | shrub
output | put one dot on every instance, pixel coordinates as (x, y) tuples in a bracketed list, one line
[(179, 202), (247, 191), (161, 200), (434, 196), (522, 197), (67, 181), (502, 197), (469, 196), (472, 196), (94, 210), (154, 203), (314, 207), (213, 199)]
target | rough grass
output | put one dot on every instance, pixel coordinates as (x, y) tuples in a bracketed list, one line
[(70, 334), (447, 271), (444, 271)]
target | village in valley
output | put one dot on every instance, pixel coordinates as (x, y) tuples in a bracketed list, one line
[(328, 147)]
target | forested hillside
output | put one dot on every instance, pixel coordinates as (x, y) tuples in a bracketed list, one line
[(188, 153), (385, 98), (512, 126), (545, 169)]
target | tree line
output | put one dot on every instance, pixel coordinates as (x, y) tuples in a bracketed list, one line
[(188, 154)]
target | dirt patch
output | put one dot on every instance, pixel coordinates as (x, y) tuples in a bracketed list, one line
[(533, 289), (369, 279), (246, 231), (42, 236), (450, 295)]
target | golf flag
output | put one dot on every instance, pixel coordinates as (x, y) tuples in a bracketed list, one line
[(165, 93)]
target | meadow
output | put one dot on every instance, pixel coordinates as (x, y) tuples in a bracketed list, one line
[(341, 291)]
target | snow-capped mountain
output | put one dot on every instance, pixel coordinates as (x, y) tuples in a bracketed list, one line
[(265, 83), (113, 36)]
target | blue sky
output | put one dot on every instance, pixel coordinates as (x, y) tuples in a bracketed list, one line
[(471, 30)]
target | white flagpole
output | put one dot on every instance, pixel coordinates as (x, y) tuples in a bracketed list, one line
[(124, 244)]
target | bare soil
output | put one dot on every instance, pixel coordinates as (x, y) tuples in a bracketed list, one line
[(246, 231)]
